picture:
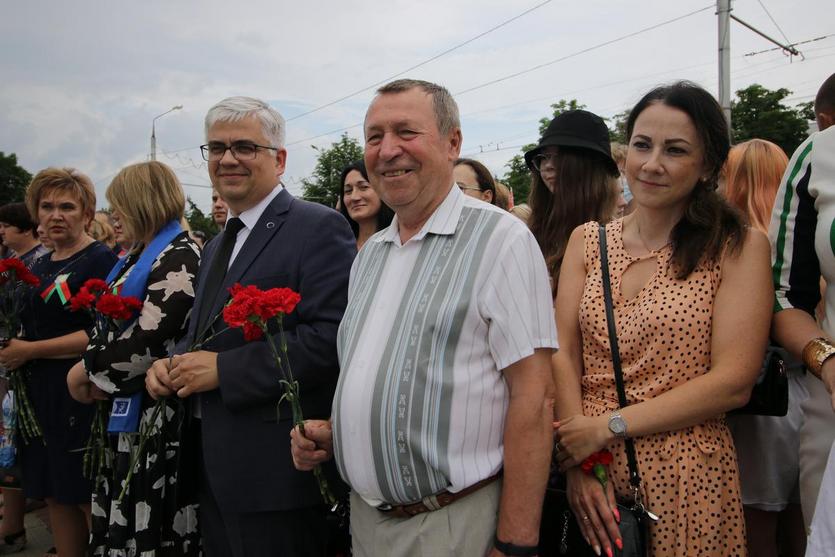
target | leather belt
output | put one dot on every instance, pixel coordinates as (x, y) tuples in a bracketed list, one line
[(434, 502)]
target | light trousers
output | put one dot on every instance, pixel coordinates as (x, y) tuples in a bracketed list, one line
[(464, 528)]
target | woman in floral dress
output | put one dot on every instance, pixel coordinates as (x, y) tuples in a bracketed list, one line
[(157, 514)]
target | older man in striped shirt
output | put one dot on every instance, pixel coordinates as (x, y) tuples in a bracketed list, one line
[(442, 417)]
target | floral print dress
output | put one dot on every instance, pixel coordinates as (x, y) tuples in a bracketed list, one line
[(158, 513)]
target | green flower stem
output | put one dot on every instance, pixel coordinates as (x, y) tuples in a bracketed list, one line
[(600, 473), (291, 394), (28, 422), (144, 434)]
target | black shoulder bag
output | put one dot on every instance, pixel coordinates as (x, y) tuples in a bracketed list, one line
[(567, 539), (770, 395)]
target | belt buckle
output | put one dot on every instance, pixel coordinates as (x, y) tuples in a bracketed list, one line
[(385, 507)]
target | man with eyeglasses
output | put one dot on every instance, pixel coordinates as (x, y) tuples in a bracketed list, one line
[(252, 500)]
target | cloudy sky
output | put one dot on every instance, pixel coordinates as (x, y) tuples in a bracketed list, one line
[(82, 81)]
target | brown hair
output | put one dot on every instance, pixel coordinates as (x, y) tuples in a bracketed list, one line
[(61, 179), (147, 196), (101, 230), (709, 224), (502, 197), (485, 180), (752, 177), (584, 192)]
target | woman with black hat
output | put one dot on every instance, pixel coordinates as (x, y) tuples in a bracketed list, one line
[(573, 181)]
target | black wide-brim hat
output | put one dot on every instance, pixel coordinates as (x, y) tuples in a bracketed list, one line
[(577, 128)]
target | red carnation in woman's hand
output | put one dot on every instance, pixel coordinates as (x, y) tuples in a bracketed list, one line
[(95, 285), (82, 300), (13, 268), (117, 307), (596, 464)]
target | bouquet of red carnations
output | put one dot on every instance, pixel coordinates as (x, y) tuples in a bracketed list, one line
[(252, 310), (108, 310), (15, 278)]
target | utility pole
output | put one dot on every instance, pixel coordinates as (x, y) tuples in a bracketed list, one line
[(154, 131), (723, 10)]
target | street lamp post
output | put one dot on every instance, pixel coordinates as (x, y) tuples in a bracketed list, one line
[(154, 133)]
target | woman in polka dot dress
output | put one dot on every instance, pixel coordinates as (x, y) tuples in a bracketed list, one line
[(692, 292)]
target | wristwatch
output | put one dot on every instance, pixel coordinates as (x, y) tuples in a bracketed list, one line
[(816, 352), (617, 425)]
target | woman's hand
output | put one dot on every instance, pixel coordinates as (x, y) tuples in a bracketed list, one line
[(81, 388), (16, 353), (578, 437), (595, 510)]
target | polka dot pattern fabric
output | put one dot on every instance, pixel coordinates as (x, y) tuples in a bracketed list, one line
[(690, 475)]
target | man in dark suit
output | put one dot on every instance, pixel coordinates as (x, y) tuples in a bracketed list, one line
[(253, 501)]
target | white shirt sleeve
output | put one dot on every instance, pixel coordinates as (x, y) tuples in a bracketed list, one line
[(515, 298)]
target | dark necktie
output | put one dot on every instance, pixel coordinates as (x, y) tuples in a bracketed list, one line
[(217, 272)]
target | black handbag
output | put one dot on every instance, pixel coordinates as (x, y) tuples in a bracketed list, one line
[(770, 395), (566, 538)]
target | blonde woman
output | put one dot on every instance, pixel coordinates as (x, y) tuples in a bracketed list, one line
[(148, 202)]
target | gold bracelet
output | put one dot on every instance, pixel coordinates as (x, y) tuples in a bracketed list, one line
[(816, 352)]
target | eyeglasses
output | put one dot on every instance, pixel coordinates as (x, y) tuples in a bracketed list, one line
[(465, 187), (542, 158), (241, 150)]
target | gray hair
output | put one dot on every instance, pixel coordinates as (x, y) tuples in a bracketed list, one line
[(234, 109), (446, 109)]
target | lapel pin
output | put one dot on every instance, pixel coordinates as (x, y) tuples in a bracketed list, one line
[(271, 224)]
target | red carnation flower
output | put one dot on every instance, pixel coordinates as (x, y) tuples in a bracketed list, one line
[(82, 300), (252, 331), (13, 268), (251, 308), (132, 303), (95, 285)]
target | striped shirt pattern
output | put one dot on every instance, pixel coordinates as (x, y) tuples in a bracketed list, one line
[(420, 403), (801, 229)]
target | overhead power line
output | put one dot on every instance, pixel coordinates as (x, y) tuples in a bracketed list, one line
[(792, 45), (505, 78), (583, 51), (773, 20), (416, 66)]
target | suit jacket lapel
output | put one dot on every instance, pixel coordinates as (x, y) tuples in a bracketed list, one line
[(207, 257), (259, 237)]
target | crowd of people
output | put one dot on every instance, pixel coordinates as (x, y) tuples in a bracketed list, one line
[(457, 354)]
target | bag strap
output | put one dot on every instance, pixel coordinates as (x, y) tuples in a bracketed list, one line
[(634, 474)]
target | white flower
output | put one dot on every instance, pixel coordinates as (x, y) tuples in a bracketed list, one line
[(185, 521), (116, 514), (150, 316), (175, 281), (97, 509), (103, 382), (138, 364), (143, 515)]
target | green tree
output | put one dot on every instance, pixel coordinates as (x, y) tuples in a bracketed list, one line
[(13, 179), (324, 187), (759, 113), (518, 176), (617, 133), (807, 110), (198, 220)]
